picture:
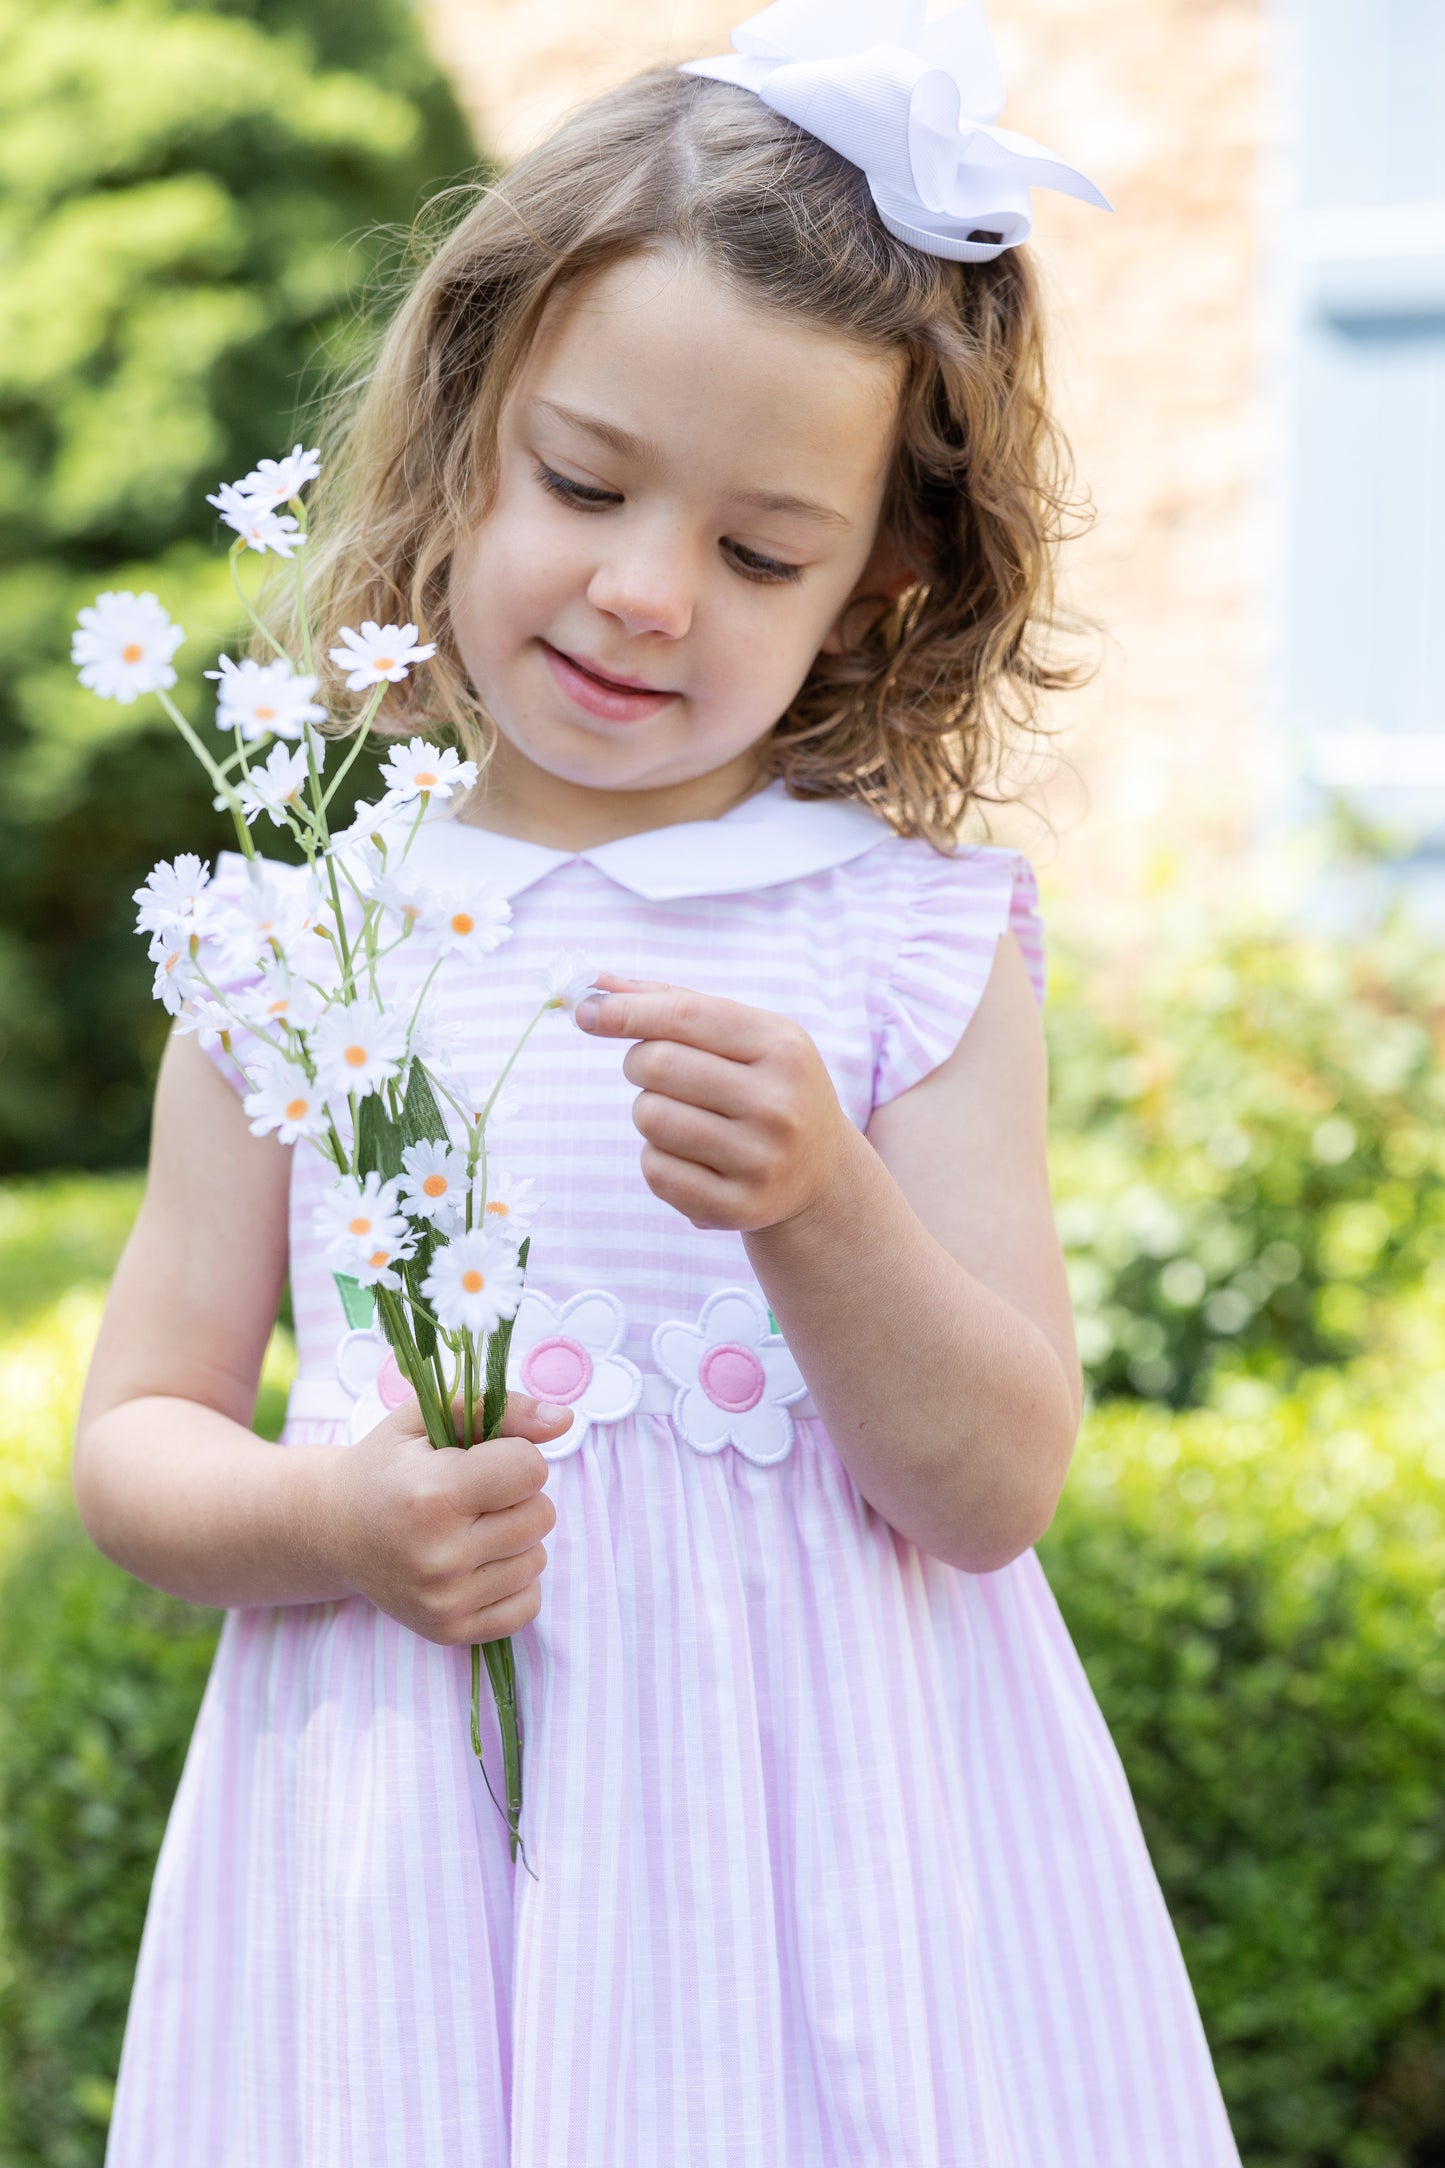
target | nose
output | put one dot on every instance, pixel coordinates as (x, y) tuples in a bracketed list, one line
[(645, 585)]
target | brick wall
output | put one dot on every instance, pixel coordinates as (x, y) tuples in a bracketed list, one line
[(1157, 366)]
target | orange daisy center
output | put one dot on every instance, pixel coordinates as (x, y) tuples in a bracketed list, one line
[(472, 1281), (359, 1227), (355, 1057), (132, 651), (463, 922), (435, 1185), (296, 1108)]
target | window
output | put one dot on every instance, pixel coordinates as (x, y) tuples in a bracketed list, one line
[(1365, 647)]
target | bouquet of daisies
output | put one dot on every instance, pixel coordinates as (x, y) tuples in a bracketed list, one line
[(283, 967)]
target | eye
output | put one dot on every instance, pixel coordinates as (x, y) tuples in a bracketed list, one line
[(582, 495), (753, 566)]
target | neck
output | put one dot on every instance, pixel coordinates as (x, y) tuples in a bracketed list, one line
[(517, 798)]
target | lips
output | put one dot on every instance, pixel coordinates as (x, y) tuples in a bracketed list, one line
[(615, 699)]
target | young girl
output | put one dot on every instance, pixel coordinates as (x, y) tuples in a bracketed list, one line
[(716, 465)]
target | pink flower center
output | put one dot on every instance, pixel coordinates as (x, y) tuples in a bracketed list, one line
[(558, 1369), (392, 1388), (732, 1377)]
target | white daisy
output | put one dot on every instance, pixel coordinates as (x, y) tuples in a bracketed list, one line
[(356, 1047), (282, 998), (433, 1181), (379, 654), (264, 699), (275, 481), (470, 922), (284, 1098), (124, 645), (363, 1231), (263, 917), (566, 978), (474, 1282), (402, 892), (511, 1206), (367, 822), (276, 785), (506, 1106), (171, 892), (420, 770), (172, 951), (207, 1018), (258, 526)]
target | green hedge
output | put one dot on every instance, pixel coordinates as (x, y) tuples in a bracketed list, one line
[(1248, 1150), (1258, 1591)]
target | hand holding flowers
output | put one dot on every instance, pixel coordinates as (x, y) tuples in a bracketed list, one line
[(315, 981)]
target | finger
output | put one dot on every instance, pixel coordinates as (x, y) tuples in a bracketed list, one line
[(611, 983), (495, 1476), (539, 1420), (709, 1140), (690, 1075), (708, 1021), (696, 1192)]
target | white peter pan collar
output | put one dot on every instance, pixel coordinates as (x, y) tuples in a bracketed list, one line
[(767, 839)]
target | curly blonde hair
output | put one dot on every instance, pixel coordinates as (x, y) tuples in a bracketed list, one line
[(916, 717)]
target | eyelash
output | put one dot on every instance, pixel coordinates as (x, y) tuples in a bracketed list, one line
[(749, 564)]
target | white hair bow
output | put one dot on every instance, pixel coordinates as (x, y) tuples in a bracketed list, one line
[(910, 102)]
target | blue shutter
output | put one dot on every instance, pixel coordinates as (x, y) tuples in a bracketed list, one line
[(1366, 632)]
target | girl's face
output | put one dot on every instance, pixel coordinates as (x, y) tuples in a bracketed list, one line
[(688, 495)]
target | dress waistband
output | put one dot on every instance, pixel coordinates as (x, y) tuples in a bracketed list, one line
[(326, 1400)]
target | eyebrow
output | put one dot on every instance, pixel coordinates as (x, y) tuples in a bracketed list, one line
[(629, 446)]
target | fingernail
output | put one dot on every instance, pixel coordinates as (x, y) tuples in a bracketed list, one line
[(585, 1013), (548, 1413)]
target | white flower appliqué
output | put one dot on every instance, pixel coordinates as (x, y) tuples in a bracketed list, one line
[(736, 1379), (568, 1354), (369, 1372)]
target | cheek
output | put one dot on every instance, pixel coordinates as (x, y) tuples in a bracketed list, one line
[(508, 575)]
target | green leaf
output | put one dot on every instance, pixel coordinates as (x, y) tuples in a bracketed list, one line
[(499, 1346), (421, 1117), (356, 1301), (414, 1271), (378, 1139)]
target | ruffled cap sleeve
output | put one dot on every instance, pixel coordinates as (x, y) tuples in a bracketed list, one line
[(958, 910)]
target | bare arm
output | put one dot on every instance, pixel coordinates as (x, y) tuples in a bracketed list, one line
[(173, 1484), (916, 1273)]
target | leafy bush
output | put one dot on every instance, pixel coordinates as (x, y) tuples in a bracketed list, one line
[(189, 198), (1248, 1150), (1258, 1593), (102, 1680), (99, 1683)]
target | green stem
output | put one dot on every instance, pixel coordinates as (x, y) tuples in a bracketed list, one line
[(233, 557), (362, 733), (217, 775)]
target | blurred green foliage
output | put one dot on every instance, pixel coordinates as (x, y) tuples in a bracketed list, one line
[(192, 197), (100, 1679), (1248, 1145), (1257, 1590)]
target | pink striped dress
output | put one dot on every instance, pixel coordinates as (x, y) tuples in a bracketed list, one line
[(836, 1866)]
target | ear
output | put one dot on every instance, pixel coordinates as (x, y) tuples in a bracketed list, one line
[(887, 575)]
